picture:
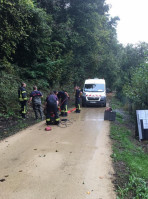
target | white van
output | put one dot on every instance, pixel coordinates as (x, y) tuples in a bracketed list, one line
[(94, 92)]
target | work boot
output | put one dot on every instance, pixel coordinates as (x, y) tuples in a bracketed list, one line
[(65, 114), (57, 122), (48, 122), (62, 114)]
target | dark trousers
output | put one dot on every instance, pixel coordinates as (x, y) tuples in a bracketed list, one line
[(52, 113), (23, 108), (38, 109), (77, 104), (64, 108)]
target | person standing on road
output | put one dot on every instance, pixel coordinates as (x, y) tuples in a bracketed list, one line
[(63, 97), (52, 109), (22, 95), (77, 99), (35, 97)]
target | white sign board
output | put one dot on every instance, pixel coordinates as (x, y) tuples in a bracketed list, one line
[(142, 115), (145, 123)]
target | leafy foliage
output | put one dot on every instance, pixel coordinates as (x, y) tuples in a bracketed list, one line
[(8, 98), (137, 89), (137, 186), (130, 58)]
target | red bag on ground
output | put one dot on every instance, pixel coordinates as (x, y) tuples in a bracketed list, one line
[(48, 128)]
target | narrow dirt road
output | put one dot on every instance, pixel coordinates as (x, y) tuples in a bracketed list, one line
[(70, 162)]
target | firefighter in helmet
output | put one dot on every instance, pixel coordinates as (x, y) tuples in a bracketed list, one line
[(63, 98), (52, 116), (35, 97), (77, 99), (22, 94)]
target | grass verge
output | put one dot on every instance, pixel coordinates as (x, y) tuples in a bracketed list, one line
[(130, 160)]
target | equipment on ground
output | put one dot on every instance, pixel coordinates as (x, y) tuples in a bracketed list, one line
[(48, 128), (109, 114)]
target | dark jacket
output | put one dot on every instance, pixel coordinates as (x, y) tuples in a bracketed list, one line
[(36, 97), (51, 100), (22, 94), (62, 95), (77, 93)]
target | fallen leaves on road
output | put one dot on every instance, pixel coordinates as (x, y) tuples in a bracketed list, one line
[(101, 177), (2, 180)]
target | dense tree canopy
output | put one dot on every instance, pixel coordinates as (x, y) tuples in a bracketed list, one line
[(57, 39)]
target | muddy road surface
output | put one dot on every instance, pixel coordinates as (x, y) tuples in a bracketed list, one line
[(69, 162)]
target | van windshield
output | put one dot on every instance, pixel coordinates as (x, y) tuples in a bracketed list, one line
[(94, 87)]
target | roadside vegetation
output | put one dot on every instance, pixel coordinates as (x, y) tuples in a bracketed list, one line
[(130, 157)]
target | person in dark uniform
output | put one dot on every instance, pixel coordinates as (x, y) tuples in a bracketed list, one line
[(77, 99), (52, 116), (22, 95), (63, 98), (35, 97)]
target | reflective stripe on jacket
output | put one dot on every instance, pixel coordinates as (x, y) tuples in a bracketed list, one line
[(22, 94)]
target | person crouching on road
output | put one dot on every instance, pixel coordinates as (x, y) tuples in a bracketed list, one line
[(77, 99), (63, 98), (22, 94), (52, 108), (35, 97)]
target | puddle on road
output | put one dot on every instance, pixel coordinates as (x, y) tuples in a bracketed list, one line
[(91, 119)]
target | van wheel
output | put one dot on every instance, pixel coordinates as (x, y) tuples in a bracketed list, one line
[(104, 105)]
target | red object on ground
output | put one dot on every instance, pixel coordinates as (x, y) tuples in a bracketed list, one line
[(48, 128), (108, 109), (71, 110)]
